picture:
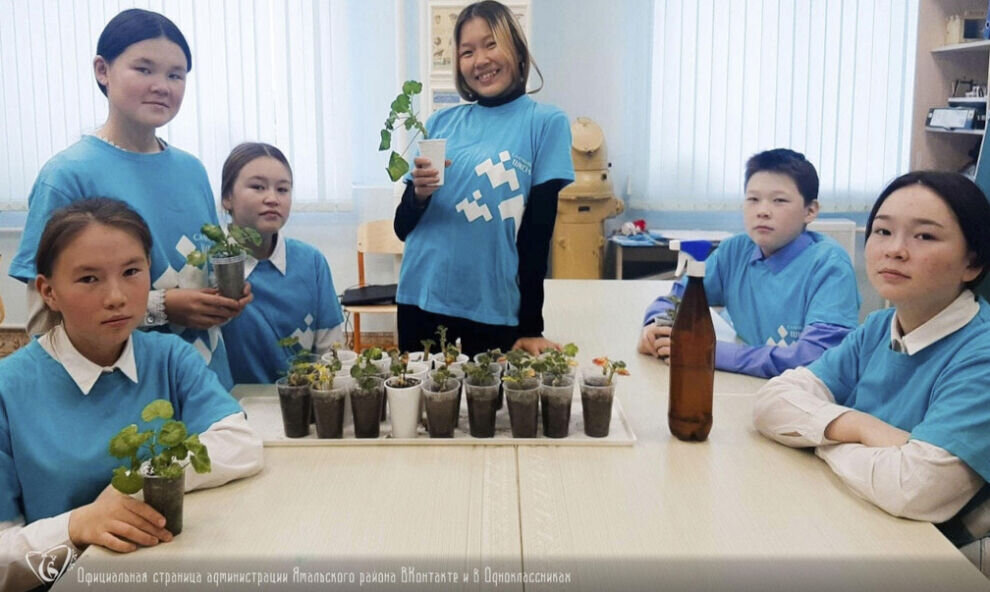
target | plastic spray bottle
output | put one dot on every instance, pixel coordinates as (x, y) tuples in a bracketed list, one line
[(692, 350)]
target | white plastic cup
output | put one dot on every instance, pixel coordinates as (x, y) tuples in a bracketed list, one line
[(436, 151)]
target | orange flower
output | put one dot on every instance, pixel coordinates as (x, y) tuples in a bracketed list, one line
[(600, 361), (622, 372)]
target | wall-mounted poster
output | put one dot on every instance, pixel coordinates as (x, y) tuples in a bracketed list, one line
[(442, 16)]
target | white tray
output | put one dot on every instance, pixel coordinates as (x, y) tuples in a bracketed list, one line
[(265, 417)]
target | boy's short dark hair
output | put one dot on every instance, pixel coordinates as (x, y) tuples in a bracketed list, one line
[(786, 162)]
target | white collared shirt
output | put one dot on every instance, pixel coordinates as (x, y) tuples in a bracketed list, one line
[(949, 320), (235, 451), (796, 407), (277, 258), (81, 369)]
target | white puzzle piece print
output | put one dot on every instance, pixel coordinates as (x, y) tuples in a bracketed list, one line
[(472, 211)]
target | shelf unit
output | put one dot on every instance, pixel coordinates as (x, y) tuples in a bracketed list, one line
[(937, 67)]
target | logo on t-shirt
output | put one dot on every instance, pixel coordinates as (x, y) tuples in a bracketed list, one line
[(498, 175), (785, 333)]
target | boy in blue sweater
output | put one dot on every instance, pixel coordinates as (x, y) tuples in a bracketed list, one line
[(791, 293)]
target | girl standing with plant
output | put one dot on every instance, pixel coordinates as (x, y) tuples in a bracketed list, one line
[(141, 66), (291, 281), (476, 248), (65, 394), (900, 410)]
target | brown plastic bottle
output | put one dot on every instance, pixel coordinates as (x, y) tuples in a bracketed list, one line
[(692, 362)]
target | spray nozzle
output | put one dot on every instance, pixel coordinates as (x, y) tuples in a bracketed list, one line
[(691, 252)]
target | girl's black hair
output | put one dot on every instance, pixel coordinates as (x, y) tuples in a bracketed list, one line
[(967, 202), (133, 26), (240, 156), (68, 222)]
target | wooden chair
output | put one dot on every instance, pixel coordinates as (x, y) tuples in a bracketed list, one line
[(375, 237)]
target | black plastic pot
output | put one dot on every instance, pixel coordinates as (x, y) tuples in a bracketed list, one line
[(165, 496), (296, 406)]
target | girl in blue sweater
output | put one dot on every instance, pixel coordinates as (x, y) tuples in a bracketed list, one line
[(64, 395), (900, 410)]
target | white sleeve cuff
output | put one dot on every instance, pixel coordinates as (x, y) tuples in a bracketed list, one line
[(155, 315), (235, 451)]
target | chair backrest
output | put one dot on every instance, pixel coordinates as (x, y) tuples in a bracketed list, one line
[(378, 236)]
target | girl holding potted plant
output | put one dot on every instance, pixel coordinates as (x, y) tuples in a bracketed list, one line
[(509, 157), (291, 281), (141, 66), (900, 410), (65, 394)]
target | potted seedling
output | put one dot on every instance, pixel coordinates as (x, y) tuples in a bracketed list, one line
[(329, 399), (442, 395), (293, 389), (367, 395), (448, 355), (481, 390), (345, 356), (424, 354), (597, 393), (404, 394), (226, 256), (556, 390), (401, 114), (522, 393), (666, 319), (163, 481)]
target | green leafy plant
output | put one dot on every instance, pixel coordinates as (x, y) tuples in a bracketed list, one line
[(301, 366), (237, 240), (449, 350), (556, 363), (670, 314), (167, 446), (611, 367), (427, 345), (479, 374), (441, 375), (364, 371), (399, 368), (520, 367), (401, 113)]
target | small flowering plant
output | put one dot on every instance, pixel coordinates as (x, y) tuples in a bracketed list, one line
[(520, 367), (440, 376), (611, 367), (324, 373), (301, 365), (399, 369)]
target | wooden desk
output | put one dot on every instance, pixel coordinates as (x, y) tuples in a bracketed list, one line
[(738, 512)]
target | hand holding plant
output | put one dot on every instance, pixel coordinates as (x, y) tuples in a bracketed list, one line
[(167, 446), (401, 112), (235, 241)]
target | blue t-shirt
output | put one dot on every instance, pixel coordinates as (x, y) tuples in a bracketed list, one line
[(54, 439), (297, 304), (169, 189), (772, 299), (461, 259), (940, 394)]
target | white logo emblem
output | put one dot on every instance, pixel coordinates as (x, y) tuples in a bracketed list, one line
[(51, 564)]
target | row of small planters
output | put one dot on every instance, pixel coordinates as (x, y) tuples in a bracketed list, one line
[(436, 387)]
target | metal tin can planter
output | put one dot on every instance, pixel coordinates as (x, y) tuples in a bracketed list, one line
[(228, 275)]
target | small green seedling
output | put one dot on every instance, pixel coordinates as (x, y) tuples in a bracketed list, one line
[(401, 113), (237, 240)]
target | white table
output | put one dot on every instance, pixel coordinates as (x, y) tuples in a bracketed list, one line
[(737, 512)]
